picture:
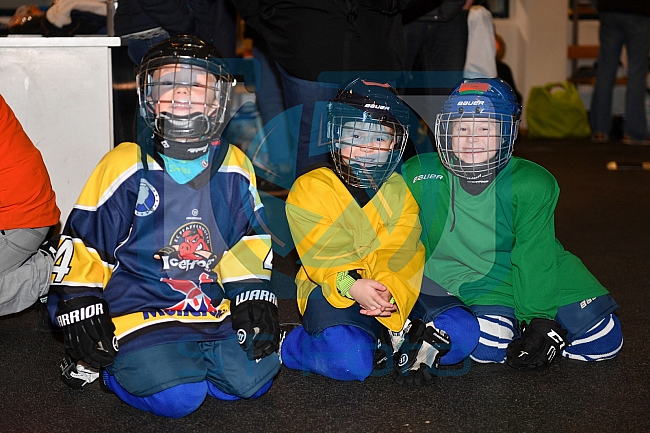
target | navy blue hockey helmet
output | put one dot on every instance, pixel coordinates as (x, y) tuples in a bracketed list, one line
[(477, 127), (367, 129), (183, 89)]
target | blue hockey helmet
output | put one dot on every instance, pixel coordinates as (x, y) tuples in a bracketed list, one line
[(477, 127)]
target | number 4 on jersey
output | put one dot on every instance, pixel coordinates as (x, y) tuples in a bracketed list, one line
[(62, 260)]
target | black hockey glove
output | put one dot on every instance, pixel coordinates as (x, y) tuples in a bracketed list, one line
[(256, 323), (88, 331), (383, 357), (540, 342), (418, 357)]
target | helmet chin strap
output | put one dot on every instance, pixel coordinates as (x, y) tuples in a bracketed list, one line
[(181, 137), (486, 172), (180, 150), (194, 126)]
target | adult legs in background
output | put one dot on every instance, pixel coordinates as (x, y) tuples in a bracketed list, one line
[(313, 96), (269, 97), (273, 149), (441, 47), (611, 41), (637, 44), (616, 30)]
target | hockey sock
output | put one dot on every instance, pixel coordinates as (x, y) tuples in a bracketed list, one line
[(463, 329), (175, 402), (496, 333), (219, 394), (340, 352), (603, 341)]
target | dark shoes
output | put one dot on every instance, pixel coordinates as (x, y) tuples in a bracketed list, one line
[(599, 137), (633, 142)]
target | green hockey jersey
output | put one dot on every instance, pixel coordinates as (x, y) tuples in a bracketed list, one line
[(498, 247)]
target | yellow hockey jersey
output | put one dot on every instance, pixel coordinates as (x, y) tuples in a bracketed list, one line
[(333, 233)]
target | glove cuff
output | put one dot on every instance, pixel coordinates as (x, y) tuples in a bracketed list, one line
[(78, 309), (254, 295), (344, 282)]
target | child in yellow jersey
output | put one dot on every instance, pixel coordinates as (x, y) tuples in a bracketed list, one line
[(355, 226)]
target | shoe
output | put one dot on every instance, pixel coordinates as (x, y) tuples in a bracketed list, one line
[(599, 137), (632, 142)]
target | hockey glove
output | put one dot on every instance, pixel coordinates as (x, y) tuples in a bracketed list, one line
[(418, 357), (540, 342), (88, 331), (383, 357), (256, 323)]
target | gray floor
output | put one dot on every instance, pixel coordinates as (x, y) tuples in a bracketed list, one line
[(602, 217)]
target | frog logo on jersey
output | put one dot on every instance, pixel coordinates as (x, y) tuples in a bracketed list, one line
[(189, 249), (148, 199)]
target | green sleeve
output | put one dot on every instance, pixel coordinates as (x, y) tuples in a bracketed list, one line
[(536, 290)]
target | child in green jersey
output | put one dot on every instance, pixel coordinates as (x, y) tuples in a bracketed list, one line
[(489, 235)]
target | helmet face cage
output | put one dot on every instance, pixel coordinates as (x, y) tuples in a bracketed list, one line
[(474, 145), (477, 127), (367, 133), (183, 97), (365, 152)]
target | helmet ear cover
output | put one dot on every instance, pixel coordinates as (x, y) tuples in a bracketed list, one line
[(367, 131), (183, 91)]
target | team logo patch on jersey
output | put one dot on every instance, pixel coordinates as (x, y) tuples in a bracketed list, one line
[(148, 199), (190, 248)]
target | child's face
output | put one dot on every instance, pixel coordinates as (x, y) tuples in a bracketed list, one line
[(366, 143), (475, 141), (180, 91)]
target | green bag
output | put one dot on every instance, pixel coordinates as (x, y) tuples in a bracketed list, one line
[(555, 110)]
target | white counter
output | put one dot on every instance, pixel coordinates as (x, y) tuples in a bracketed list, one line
[(61, 91)]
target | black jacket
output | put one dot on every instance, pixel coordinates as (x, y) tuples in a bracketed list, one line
[(211, 20), (640, 7), (308, 37)]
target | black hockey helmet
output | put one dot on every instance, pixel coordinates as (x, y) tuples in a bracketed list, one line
[(183, 89), (367, 129)]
